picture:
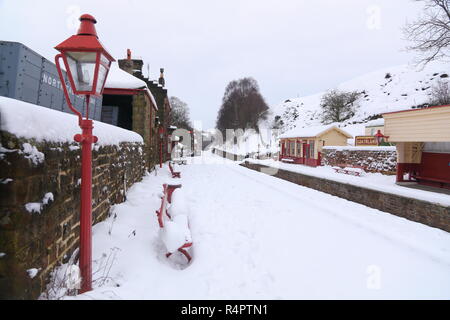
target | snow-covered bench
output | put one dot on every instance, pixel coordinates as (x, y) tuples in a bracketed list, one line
[(287, 160), (174, 173), (350, 169), (173, 221)]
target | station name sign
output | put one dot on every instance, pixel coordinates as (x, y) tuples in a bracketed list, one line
[(369, 141)]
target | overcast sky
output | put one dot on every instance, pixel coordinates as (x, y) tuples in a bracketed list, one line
[(291, 47)]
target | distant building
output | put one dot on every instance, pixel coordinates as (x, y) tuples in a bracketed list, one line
[(372, 127), (158, 90), (129, 104), (304, 145), (422, 138), (371, 130)]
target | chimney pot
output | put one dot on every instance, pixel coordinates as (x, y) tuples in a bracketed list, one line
[(161, 81)]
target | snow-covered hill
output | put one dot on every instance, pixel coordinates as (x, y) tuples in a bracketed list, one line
[(391, 89)]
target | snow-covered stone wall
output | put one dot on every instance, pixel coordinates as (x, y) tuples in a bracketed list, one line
[(40, 196), (373, 159)]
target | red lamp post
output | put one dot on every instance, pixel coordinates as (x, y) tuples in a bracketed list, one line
[(379, 136), (87, 63), (161, 137)]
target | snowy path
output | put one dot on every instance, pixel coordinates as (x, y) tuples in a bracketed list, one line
[(258, 237)]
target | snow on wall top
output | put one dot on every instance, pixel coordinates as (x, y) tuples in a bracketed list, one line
[(307, 132), (29, 121), (360, 148)]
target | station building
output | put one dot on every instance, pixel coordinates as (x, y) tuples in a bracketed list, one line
[(159, 91), (371, 129), (304, 145), (422, 137), (129, 104)]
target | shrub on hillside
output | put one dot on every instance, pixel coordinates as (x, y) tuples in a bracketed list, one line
[(338, 106)]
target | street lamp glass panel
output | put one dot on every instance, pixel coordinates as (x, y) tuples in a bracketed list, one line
[(102, 71), (82, 68), (104, 60)]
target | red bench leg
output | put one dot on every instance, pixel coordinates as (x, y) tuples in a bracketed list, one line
[(186, 254), (183, 251)]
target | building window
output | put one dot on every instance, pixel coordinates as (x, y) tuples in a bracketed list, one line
[(292, 148), (299, 149), (437, 147), (311, 149)]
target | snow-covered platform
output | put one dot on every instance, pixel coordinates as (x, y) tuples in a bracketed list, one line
[(259, 237), (373, 181)]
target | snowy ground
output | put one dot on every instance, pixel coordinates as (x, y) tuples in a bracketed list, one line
[(258, 237)]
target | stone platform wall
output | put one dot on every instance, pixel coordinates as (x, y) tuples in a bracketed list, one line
[(39, 204)]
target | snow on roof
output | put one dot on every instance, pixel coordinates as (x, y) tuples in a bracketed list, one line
[(119, 79), (152, 98), (29, 121), (307, 132), (375, 123)]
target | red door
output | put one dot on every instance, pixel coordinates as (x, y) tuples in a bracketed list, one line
[(305, 153)]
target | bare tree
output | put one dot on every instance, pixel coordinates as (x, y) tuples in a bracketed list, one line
[(242, 106), (180, 114), (440, 94), (338, 106), (430, 33)]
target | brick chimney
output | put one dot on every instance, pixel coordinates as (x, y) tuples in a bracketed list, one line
[(132, 66), (161, 80)]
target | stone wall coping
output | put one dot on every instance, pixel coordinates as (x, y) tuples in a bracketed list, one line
[(352, 148)]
